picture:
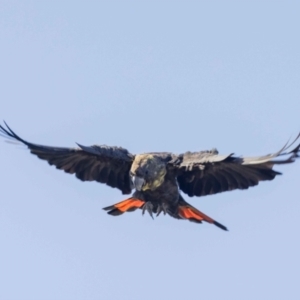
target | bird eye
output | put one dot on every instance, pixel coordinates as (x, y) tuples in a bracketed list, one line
[(146, 172)]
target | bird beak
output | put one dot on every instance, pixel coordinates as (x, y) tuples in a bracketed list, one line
[(138, 182)]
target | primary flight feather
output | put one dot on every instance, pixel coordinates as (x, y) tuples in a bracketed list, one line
[(157, 178)]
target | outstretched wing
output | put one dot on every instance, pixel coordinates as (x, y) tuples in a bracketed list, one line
[(109, 165), (207, 172)]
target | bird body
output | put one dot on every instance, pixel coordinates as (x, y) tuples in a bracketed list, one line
[(156, 179)]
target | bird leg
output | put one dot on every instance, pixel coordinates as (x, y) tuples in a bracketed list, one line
[(148, 206)]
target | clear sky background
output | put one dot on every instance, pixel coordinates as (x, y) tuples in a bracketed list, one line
[(148, 76)]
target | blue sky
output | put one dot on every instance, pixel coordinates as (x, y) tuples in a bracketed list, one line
[(148, 76)]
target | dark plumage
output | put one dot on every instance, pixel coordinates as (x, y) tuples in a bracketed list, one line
[(156, 178)]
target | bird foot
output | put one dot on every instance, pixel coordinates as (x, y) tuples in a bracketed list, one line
[(148, 206), (161, 208)]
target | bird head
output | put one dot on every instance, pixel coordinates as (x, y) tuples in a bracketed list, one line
[(147, 172)]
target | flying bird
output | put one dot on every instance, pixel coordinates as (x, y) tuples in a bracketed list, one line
[(156, 179)]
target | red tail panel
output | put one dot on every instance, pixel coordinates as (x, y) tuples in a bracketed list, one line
[(130, 204), (188, 212), (192, 214)]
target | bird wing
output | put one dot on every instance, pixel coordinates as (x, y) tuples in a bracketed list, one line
[(207, 172), (109, 165)]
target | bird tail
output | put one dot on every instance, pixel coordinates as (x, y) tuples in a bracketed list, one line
[(188, 212), (183, 211), (130, 204)]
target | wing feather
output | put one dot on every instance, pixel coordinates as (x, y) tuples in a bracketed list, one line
[(109, 165), (207, 172)]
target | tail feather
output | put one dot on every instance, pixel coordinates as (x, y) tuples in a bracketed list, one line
[(183, 211), (186, 211), (130, 204)]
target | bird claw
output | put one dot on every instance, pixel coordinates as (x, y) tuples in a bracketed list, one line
[(148, 206), (161, 208)]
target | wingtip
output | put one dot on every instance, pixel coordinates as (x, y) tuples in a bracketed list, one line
[(9, 133)]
